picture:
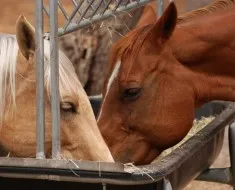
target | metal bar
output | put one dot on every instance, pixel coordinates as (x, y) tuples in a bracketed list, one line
[(54, 79), (73, 14), (166, 184), (46, 11), (218, 175), (104, 186), (90, 3), (96, 9), (84, 13), (40, 110), (97, 18), (119, 2), (106, 7), (75, 3), (232, 152), (160, 7), (63, 10)]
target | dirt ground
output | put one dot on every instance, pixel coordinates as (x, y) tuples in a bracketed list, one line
[(222, 161)]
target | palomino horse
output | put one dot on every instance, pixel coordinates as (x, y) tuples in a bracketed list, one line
[(159, 73), (80, 136)]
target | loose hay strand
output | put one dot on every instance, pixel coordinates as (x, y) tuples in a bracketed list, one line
[(131, 168)]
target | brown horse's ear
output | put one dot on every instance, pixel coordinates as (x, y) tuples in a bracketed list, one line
[(148, 16), (165, 26), (25, 35)]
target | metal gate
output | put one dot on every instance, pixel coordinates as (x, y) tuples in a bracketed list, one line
[(82, 16)]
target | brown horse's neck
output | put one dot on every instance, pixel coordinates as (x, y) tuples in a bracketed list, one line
[(207, 47)]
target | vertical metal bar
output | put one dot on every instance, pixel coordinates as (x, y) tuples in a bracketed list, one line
[(232, 152), (54, 79), (166, 185), (40, 111), (160, 8), (104, 186)]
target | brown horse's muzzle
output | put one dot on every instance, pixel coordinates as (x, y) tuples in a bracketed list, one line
[(139, 153)]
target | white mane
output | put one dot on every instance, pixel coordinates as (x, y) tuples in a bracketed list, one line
[(68, 80), (8, 60)]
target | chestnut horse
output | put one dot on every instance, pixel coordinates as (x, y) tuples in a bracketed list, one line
[(159, 73), (80, 136)]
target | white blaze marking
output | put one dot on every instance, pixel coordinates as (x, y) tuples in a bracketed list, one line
[(110, 81), (114, 75)]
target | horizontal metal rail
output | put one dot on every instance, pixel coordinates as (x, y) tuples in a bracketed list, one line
[(85, 15)]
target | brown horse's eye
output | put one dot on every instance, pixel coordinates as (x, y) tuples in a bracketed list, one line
[(131, 93), (68, 107)]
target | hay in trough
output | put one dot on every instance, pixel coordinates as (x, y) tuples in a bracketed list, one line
[(197, 126)]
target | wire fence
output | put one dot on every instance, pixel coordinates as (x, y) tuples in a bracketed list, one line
[(88, 12)]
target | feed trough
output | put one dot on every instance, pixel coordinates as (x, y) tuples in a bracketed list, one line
[(174, 171)]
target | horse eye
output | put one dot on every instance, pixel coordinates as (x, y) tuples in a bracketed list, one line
[(131, 93), (68, 107)]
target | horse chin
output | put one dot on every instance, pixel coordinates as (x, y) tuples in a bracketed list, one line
[(139, 156), (148, 157)]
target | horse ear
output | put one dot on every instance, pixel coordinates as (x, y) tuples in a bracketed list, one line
[(25, 35), (148, 16), (165, 26)]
